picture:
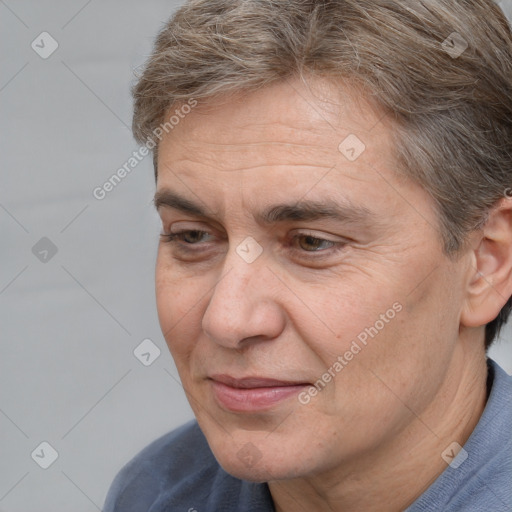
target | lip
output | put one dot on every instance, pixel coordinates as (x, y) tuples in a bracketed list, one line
[(252, 394)]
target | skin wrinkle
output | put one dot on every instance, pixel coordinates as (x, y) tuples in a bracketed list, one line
[(371, 248), (303, 210), (240, 156), (289, 318)]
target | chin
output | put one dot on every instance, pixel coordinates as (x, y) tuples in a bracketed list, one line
[(254, 450), (259, 472), (260, 465), (243, 472)]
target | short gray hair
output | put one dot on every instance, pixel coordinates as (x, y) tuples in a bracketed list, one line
[(441, 69)]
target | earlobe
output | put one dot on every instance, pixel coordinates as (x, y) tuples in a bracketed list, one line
[(490, 274)]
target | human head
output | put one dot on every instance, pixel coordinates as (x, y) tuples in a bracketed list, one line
[(441, 70), (243, 162)]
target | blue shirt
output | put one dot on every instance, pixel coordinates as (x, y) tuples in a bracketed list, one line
[(178, 471)]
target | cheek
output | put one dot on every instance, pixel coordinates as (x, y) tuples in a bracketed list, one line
[(409, 357), (387, 327), (347, 309), (179, 306)]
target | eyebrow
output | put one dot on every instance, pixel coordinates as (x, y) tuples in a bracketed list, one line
[(302, 210)]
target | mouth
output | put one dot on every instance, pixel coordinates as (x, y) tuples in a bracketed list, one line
[(252, 394)]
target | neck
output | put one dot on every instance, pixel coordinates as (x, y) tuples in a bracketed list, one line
[(401, 471)]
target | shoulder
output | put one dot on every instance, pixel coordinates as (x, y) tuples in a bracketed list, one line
[(479, 477), (489, 476), (169, 460), (179, 472)]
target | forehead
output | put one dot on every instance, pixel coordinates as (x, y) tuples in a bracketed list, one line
[(291, 122), (284, 143)]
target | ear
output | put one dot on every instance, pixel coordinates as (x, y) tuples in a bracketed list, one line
[(490, 277)]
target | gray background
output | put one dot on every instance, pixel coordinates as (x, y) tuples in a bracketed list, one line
[(70, 321)]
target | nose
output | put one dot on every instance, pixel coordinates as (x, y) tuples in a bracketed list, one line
[(244, 305)]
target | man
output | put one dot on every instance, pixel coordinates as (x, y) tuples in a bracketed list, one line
[(333, 181)]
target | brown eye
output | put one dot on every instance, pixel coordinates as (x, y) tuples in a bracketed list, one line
[(192, 236), (188, 236), (312, 244)]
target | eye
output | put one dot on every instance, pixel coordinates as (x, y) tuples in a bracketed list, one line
[(190, 244), (310, 243), (187, 236)]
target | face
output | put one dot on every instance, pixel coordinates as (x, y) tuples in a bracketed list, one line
[(301, 284)]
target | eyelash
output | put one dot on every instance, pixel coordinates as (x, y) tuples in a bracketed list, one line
[(175, 238)]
